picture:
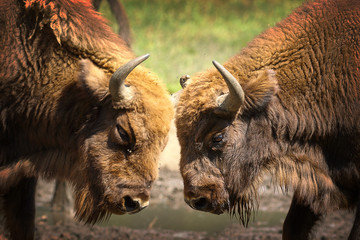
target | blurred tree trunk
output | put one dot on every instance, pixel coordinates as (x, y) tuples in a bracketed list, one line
[(61, 201), (97, 4), (121, 18)]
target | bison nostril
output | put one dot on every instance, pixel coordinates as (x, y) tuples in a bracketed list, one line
[(200, 203), (130, 204)]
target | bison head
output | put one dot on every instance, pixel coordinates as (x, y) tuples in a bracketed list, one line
[(122, 139), (223, 133)]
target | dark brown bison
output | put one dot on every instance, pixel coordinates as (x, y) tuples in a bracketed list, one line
[(290, 107), (67, 111)]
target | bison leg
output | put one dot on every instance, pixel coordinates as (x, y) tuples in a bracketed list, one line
[(299, 221), (19, 209), (355, 231)]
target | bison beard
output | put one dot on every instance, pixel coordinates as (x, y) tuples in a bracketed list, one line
[(75, 106), (244, 205), (288, 105)]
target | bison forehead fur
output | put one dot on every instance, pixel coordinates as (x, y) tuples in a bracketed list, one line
[(299, 120), (59, 119)]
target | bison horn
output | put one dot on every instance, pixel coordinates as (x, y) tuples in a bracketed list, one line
[(117, 87), (235, 98)]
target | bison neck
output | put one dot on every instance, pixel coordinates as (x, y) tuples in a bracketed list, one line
[(312, 156), (45, 131), (43, 109), (314, 117)]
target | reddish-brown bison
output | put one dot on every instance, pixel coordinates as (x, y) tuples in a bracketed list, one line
[(290, 107), (67, 111)]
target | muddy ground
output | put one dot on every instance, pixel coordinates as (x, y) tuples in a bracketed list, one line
[(168, 192), (168, 197)]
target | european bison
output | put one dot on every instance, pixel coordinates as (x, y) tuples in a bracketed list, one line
[(67, 111), (290, 107)]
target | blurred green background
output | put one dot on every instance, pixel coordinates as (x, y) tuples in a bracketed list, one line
[(184, 36)]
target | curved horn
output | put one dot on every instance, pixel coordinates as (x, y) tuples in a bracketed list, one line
[(235, 98), (117, 88)]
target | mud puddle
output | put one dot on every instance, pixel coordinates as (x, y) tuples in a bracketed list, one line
[(164, 217)]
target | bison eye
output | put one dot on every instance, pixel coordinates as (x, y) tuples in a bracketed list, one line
[(217, 142), (217, 138), (124, 136)]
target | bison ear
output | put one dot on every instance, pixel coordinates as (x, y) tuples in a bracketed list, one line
[(184, 81), (93, 79), (260, 90)]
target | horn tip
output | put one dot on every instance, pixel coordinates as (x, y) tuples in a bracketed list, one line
[(217, 65), (142, 58)]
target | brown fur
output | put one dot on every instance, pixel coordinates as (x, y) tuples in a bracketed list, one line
[(57, 118), (301, 125)]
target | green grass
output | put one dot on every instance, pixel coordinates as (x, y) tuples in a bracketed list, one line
[(184, 36)]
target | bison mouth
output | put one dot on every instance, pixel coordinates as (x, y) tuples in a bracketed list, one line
[(242, 207), (128, 199), (127, 204), (220, 200), (94, 206), (207, 199), (206, 205)]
